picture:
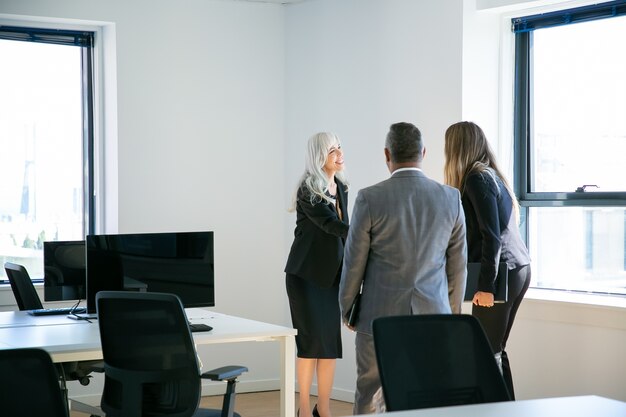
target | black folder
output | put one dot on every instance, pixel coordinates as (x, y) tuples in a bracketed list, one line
[(502, 282)]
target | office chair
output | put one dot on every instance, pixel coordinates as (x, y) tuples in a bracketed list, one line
[(23, 289), (27, 299), (150, 361), (435, 361), (30, 385)]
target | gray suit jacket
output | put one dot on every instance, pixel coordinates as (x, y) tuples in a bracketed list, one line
[(407, 245)]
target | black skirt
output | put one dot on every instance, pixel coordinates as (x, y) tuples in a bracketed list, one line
[(315, 314)]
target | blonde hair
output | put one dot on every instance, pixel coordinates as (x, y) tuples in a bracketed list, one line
[(467, 151), (314, 179)]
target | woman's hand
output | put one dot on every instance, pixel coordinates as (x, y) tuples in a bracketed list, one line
[(483, 299)]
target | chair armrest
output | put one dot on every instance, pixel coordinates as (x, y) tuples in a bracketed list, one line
[(224, 373)]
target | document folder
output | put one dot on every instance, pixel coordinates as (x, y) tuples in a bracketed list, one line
[(502, 282)]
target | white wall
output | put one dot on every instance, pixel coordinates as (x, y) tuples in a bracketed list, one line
[(200, 127), (569, 347), (481, 69), (356, 66)]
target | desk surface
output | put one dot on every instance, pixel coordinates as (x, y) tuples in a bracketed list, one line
[(23, 319), (77, 340), (584, 406)]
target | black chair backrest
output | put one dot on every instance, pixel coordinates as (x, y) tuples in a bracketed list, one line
[(29, 384), (22, 286), (150, 361), (434, 361)]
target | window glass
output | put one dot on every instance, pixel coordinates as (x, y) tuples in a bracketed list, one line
[(41, 162), (579, 107), (579, 248)]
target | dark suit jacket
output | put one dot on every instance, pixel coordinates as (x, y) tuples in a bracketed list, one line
[(492, 232), (317, 250)]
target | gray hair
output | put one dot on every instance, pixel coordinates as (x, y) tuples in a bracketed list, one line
[(314, 179), (405, 143)]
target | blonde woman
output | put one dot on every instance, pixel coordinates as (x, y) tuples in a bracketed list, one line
[(491, 215), (314, 269)]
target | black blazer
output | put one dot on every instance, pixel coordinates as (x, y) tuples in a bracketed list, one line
[(317, 250), (492, 232)]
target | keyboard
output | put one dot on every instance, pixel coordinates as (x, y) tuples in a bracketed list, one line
[(57, 311), (199, 327)]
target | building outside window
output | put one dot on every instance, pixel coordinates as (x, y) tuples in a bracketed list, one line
[(46, 141)]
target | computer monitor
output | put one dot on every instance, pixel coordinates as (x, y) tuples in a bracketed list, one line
[(180, 263), (64, 270)]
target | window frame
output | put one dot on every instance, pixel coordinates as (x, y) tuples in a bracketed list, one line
[(84, 39), (523, 28)]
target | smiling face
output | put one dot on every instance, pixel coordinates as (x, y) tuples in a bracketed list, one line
[(334, 160)]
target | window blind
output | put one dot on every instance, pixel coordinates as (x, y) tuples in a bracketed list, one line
[(566, 17)]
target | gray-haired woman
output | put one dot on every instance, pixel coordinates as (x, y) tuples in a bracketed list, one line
[(314, 269)]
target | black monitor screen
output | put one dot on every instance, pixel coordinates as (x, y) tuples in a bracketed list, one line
[(180, 263), (64, 270)]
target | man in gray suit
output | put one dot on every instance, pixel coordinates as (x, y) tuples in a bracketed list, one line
[(406, 246)]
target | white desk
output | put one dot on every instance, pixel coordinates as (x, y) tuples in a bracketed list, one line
[(68, 340), (21, 319), (584, 406)]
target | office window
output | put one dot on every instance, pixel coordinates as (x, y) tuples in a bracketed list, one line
[(46, 141), (570, 141)]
